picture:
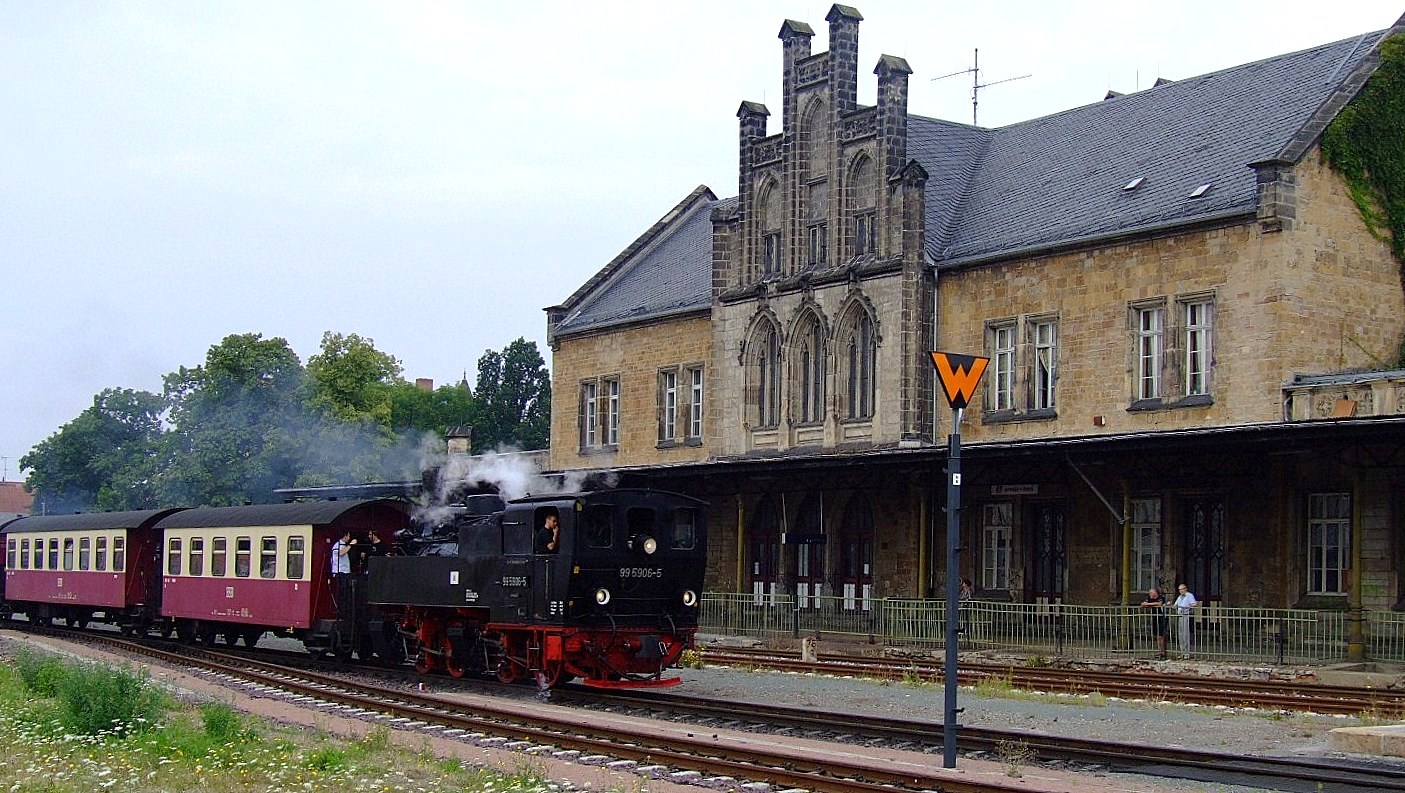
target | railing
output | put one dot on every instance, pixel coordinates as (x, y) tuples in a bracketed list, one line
[(1058, 630)]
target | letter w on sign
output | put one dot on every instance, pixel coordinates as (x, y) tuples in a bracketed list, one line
[(959, 375)]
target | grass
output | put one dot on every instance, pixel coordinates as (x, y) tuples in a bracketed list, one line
[(72, 727)]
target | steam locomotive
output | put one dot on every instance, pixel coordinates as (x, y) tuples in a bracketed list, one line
[(472, 588)]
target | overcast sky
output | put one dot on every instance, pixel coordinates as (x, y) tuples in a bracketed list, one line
[(432, 175)]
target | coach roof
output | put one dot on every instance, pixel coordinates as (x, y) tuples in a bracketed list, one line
[(300, 513), (90, 521)]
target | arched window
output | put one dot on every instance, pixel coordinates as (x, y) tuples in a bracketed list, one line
[(763, 372), (856, 554), (815, 153), (863, 206), (769, 220), (858, 354), (810, 364), (765, 552)]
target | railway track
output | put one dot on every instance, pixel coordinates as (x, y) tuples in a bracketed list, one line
[(782, 747), (1276, 773), (1193, 689), (582, 735)]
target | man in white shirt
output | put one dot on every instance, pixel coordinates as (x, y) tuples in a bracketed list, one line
[(341, 559), (1185, 601)]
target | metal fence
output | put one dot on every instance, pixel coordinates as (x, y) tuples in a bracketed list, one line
[(1059, 630)]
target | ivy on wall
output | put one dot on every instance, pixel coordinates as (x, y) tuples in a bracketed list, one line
[(1365, 143)]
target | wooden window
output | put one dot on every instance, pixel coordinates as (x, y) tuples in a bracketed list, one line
[(243, 556), (197, 556), (173, 556), (219, 555), (295, 564)]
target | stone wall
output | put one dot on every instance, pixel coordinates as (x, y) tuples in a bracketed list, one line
[(635, 355)]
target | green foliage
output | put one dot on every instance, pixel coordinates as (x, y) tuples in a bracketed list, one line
[(98, 700), (514, 392), (222, 723), (327, 759), (102, 459), (251, 420), (40, 672), (1365, 145), (352, 380)]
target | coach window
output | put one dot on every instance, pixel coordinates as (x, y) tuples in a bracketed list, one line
[(24, 554), (173, 556), (100, 554), (85, 552), (295, 557), (243, 556), (53, 553), (10, 553), (68, 553), (600, 526), (119, 554), (268, 557), (219, 547), (685, 523), (197, 555), (38, 554)]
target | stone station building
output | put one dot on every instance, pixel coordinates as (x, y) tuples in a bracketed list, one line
[(1191, 334)]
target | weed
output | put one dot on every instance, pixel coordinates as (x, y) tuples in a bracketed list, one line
[(691, 659), (1014, 755), (40, 672), (222, 723), (98, 699)]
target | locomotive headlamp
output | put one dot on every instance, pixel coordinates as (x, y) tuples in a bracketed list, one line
[(690, 598), (602, 596), (646, 544)]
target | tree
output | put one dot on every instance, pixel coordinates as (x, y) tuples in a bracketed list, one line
[(103, 459), (514, 396), (352, 380), (416, 411), (238, 422)]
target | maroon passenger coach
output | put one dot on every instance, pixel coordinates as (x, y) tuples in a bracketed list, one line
[(84, 567)]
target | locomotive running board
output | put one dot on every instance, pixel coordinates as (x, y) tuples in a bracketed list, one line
[(655, 683)]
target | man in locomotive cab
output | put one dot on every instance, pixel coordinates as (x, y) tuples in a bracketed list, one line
[(549, 535)]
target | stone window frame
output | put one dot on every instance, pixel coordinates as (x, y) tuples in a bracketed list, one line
[(1177, 345), (1316, 571), (1197, 340), (856, 362), (1002, 347), (1148, 352), (599, 414), (1041, 385), (770, 221), (811, 368), (668, 405), (762, 357), (696, 381), (863, 204)]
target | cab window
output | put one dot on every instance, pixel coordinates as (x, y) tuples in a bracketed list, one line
[(685, 529), (600, 526)]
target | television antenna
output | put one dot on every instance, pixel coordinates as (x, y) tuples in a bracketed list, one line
[(976, 84)]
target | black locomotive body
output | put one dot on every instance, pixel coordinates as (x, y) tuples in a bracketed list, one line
[(613, 600)]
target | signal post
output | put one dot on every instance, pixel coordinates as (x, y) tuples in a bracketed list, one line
[(959, 375)]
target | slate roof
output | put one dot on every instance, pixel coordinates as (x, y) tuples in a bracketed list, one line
[(1058, 180), (667, 271), (1047, 183)]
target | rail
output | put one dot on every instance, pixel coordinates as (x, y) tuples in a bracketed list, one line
[(1060, 630)]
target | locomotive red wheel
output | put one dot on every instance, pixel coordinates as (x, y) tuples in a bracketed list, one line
[(424, 664), (553, 673), (454, 666)]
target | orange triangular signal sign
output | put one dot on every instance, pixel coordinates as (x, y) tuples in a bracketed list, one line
[(960, 374)]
